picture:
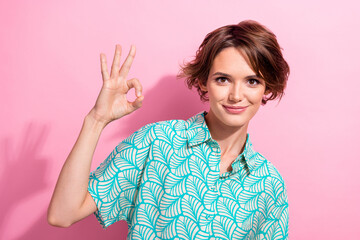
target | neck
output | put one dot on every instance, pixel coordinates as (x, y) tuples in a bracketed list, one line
[(231, 139)]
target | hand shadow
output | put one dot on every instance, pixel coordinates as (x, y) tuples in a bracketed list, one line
[(169, 99), (22, 174)]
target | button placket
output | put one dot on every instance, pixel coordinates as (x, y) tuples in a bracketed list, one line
[(215, 147), (209, 217), (217, 152), (214, 187), (214, 157)]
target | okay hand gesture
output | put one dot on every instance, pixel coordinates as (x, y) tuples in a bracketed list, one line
[(112, 103)]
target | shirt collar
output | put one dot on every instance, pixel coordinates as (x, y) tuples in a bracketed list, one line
[(198, 132), (197, 129)]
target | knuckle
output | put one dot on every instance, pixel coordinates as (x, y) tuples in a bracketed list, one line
[(126, 67), (136, 81)]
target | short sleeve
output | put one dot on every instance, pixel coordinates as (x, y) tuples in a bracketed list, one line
[(275, 225), (115, 183)]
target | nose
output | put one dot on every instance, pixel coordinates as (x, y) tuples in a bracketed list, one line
[(236, 93)]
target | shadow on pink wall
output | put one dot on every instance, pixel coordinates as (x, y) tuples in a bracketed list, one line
[(23, 169), (168, 99)]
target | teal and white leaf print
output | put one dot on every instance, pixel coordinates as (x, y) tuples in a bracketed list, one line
[(156, 170), (224, 228), (143, 138), (161, 151), (231, 189), (244, 217), (170, 205), (164, 181), (151, 194), (249, 200), (166, 227), (111, 209), (142, 232), (195, 187), (198, 168), (109, 188), (179, 165), (175, 185), (191, 207), (128, 180), (148, 214), (187, 228)]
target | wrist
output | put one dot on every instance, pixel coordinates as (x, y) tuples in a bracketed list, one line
[(93, 120)]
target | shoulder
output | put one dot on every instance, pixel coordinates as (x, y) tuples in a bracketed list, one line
[(274, 182), (145, 135), (263, 164), (175, 124), (273, 171), (171, 131), (272, 179)]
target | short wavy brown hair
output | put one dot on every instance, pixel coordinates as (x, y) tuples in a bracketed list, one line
[(256, 41)]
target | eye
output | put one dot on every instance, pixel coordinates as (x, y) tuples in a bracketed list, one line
[(221, 80), (253, 82)]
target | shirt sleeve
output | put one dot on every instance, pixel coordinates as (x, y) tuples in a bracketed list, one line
[(114, 184), (275, 224)]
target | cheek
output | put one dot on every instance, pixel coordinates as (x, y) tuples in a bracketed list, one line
[(217, 93), (256, 96)]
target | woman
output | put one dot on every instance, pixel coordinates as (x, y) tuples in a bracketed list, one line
[(193, 179)]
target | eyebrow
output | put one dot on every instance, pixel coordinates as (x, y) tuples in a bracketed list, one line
[(228, 75)]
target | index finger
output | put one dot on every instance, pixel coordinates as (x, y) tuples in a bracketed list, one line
[(116, 61), (104, 70), (128, 61)]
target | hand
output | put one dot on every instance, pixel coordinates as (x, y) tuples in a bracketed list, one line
[(112, 103)]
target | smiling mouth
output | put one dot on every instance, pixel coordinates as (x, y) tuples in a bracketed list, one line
[(234, 109)]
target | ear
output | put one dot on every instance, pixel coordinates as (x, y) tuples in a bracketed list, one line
[(202, 87), (267, 92)]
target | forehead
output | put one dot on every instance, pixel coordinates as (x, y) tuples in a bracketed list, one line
[(232, 61)]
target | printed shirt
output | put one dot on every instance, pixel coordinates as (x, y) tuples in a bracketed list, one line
[(164, 181)]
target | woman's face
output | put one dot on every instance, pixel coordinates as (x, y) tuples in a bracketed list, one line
[(234, 91)]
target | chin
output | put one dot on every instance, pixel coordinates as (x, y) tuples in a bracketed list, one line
[(233, 120), (235, 123)]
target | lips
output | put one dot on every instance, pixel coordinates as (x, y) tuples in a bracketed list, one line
[(235, 109)]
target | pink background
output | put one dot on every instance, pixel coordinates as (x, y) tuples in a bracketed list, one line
[(50, 78)]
